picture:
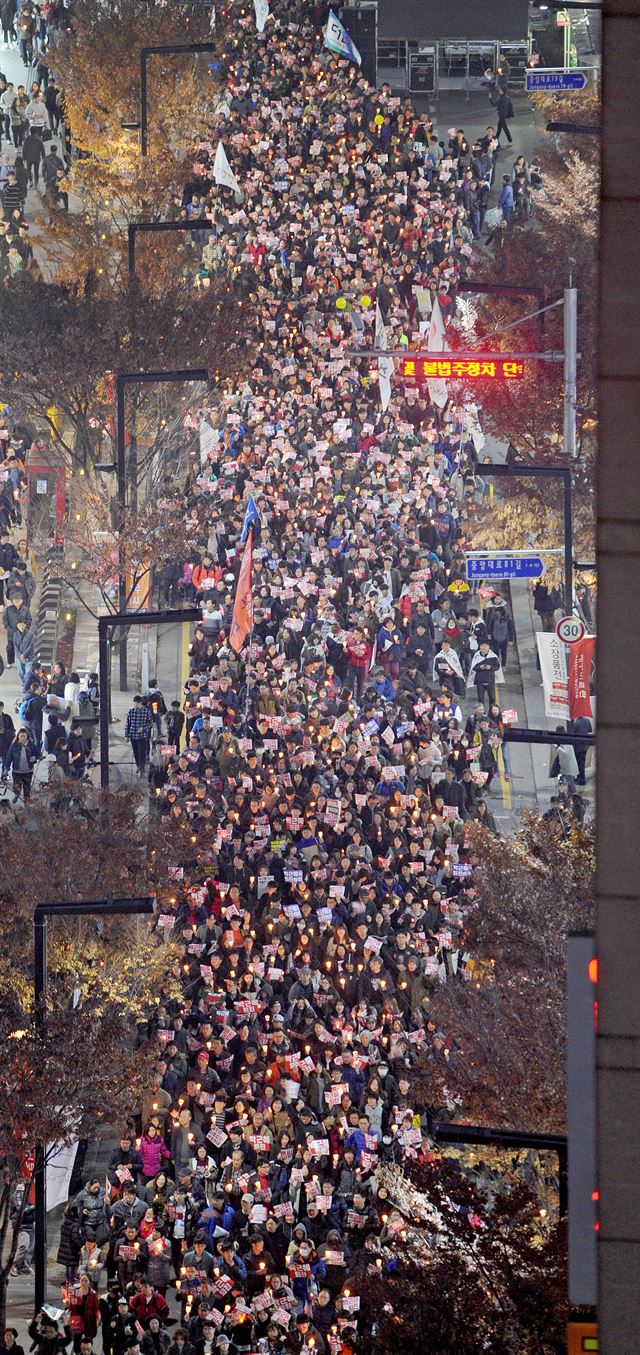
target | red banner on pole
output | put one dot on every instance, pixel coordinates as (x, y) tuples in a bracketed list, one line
[(580, 657), (242, 620)]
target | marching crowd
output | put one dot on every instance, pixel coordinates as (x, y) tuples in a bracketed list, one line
[(334, 765)]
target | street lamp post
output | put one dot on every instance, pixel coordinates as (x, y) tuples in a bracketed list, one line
[(173, 48), (563, 474), (116, 622), (124, 379), (146, 227), (92, 907), (510, 1138)]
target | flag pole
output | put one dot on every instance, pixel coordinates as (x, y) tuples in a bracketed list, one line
[(247, 676)]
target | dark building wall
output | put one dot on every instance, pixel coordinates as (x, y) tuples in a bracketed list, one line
[(429, 20), (618, 768), (361, 27)]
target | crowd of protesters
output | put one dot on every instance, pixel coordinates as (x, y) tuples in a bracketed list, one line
[(336, 764)]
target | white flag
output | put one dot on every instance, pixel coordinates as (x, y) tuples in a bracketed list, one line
[(262, 13), (436, 343), (553, 666), (223, 172), (337, 40), (385, 365)]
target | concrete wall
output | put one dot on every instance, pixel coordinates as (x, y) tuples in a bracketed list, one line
[(618, 772)]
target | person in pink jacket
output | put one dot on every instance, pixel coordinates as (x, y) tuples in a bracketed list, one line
[(152, 1150)]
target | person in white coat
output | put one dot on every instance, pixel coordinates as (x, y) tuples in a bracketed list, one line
[(485, 671), (563, 761), (71, 692), (447, 669)]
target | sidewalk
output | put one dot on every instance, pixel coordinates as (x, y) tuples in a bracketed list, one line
[(20, 1294), (526, 624), (85, 660), (15, 71)]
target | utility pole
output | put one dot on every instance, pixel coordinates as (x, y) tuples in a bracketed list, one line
[(568, 356), (570, 370), (107, 627)]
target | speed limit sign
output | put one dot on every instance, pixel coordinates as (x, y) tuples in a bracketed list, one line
[(570, 629)]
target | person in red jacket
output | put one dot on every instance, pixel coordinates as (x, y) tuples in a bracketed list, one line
[(205, 576), (358, 651), (84, 1311), (148, 1302)]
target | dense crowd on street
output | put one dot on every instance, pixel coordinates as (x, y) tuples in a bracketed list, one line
[(336, 764)]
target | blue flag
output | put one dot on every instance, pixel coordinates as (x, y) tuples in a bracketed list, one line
[(251, 516), (337, 40)]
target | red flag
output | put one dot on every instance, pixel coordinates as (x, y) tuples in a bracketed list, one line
[(580, 656), (242, 620)]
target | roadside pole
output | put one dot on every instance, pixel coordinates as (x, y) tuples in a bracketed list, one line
[(570, 371)]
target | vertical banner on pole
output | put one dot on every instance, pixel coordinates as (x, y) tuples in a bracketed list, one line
[(385, 365), (580, 658), (553, 665), (437, 343)]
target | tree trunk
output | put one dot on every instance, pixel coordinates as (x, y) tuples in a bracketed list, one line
[(124, 676), (84, 449), (4, 1283)]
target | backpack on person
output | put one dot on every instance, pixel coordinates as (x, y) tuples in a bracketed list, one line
[(25, 708), (500, 630), (86, 708)]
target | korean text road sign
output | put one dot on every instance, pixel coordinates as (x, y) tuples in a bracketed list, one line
[(504, 567), (546, 82)]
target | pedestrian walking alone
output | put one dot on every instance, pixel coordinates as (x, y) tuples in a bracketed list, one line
[(21, 760), (504, 109), (33, 154), (138, 732)]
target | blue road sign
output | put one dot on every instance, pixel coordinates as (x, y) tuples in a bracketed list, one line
[(546, 82), (505, 567)]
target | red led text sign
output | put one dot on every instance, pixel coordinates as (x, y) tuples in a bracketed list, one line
[(495, 369)]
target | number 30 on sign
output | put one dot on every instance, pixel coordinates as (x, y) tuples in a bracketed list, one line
[(570, 629)]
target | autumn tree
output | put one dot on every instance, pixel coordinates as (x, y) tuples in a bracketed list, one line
[(58, 1082), (457, 1268), (78, 1066), (506, 1027), (96, 545), (56, 346), (63, 848), (528, 515), (59, 344), (557, 247), (97, 63), (72, 843)]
